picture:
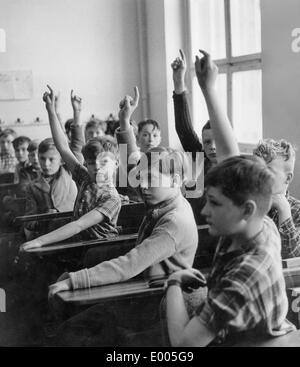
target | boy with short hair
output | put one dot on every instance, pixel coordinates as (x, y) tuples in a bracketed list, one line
[(95, 128), (53, 191), (246, 288), (8, 160), (20, 145), (32, 170), (149, 135), (280, 157)]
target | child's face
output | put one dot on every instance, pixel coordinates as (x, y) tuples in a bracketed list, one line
[(155, 186), (209, 145), (102, 169), (149, 137), (222, 215), (34, 159), (50, 162), (94, 132), (6, 144), (281, 170), (21, 152)]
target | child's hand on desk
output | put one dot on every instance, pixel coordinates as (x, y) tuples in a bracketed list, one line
[(179, 70), (189, 278), (63, 285), (128, 105), (206, 71), (30, 245), (76, 102)]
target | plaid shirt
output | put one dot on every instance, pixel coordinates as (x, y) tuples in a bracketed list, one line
[(104, 199), (290, 229), (246, 289), (8, 163)]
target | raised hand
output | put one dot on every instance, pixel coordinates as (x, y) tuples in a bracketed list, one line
[(206, 71), (128, 105), (179, 70), (76, 102), (49, 99)]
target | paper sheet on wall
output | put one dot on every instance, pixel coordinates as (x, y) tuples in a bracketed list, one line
[(16, 85)]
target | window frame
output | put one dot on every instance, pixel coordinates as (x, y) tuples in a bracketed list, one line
[(228, 65)]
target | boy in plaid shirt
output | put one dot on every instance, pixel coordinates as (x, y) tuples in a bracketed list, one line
[(98, 204), (280, 157), (246, 288)]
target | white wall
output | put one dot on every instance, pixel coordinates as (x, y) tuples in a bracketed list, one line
[(281, 75), (164, 38), (90, 45)]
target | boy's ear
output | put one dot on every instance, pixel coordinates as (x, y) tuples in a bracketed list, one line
[(250, 208), (289, 178)]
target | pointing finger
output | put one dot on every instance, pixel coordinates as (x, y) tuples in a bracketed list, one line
[(136, 94), (182, 54)]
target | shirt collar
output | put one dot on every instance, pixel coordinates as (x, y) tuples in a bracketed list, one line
[(158, 210)]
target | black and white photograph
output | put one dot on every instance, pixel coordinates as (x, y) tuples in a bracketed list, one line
[(149, 176)]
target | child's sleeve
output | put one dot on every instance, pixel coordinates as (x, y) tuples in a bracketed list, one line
[(290, 234), (110, 206), (80, 174), (183, 124), (77, 142), (156, 248), (128, 138)]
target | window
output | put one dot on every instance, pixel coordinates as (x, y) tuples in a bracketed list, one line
[(230, 30)]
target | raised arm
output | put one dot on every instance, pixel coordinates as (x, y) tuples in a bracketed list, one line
[(59, 137), (183, 124), (77, 135), (226, 143), (125, 135), (57, 108)]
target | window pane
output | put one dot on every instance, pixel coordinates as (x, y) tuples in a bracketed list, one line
[(200, 114), (208, 27), (247, 105), (245, 27)]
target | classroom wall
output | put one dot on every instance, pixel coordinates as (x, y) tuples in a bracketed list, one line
[(90, 45), (281, 75)]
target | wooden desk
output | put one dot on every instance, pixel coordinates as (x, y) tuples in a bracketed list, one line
[(292, 277), (43, 217), (60, 247), (132, 288), (128, 213)]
